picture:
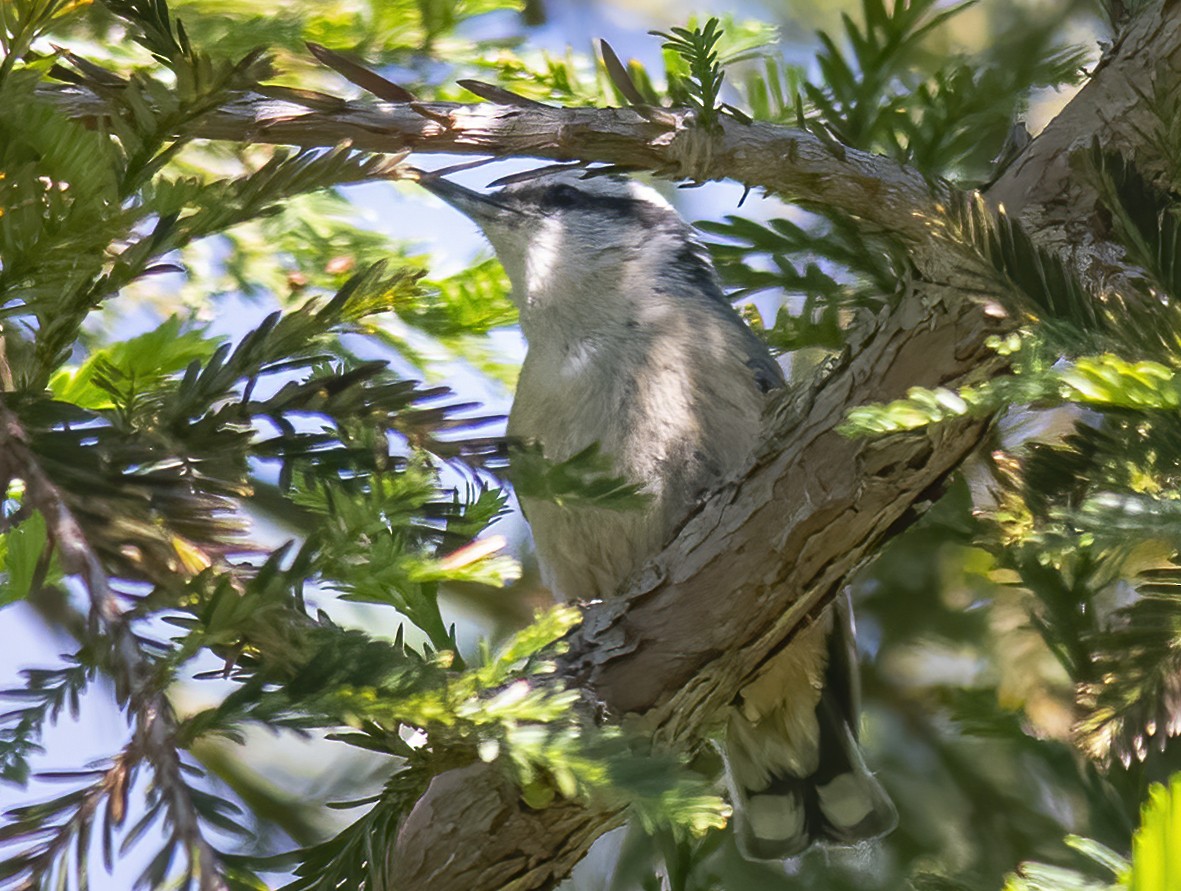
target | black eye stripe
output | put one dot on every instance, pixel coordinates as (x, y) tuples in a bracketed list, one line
[(565, 197)]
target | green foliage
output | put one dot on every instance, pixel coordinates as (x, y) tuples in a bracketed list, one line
[(694, 61), (1163, 138), (23, 563), (1156, 859), (856, 100), (145, 452), (1132, 702), (504, 710), (698, 83), (472, 301), (1138, 327), (872, 270), (1104, 381), (114, 376), (402, 32), (47, 692), (87, 215), (1084, 519), (1154, 864), (313, 243), (160, 440), (882, 87), (23, 21), (586, 478), (1041, 877), (372, 539), (1034, 278), (1146, 224), (349, 859)]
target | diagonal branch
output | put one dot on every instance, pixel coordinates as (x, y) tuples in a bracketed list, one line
[(745, 573)]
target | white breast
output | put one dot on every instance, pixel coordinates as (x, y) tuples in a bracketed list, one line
[(676, 422)]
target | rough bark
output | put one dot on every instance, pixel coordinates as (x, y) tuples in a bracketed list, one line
[(766, 551), (788, 161)]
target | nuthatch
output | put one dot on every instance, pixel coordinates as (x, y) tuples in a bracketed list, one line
[(633, 345)]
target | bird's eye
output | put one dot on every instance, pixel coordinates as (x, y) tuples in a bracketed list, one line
[(563, 196)]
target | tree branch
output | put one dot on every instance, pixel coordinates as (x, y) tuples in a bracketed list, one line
[(785, 160)]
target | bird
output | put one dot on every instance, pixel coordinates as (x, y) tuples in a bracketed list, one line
[(632, 345)]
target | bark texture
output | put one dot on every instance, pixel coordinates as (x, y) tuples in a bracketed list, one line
[(766, 551)]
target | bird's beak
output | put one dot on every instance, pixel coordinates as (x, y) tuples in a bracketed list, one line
[(480, 208)]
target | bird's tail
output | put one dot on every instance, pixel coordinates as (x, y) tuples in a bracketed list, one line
[(795, 768)]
